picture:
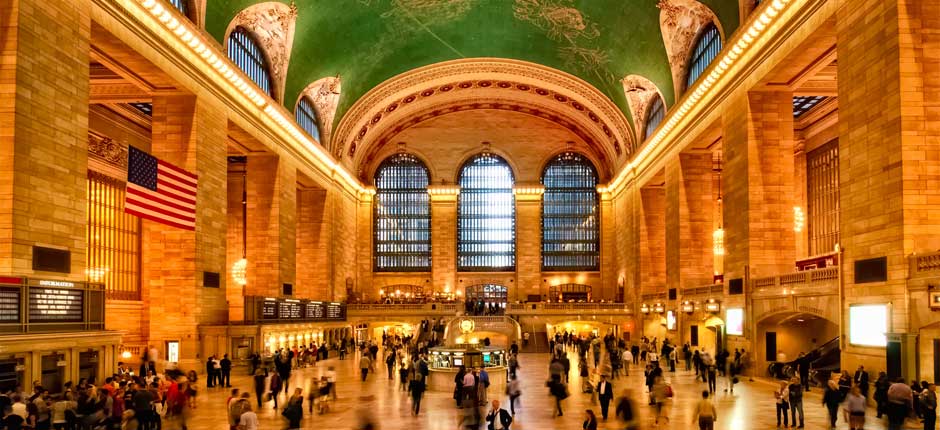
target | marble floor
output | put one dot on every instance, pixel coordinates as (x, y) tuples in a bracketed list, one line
[(750, 407)]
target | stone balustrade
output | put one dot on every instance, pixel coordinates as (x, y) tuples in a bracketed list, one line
[(402, 309), (824, 280)]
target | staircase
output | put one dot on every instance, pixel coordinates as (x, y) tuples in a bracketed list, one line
[(538, 343)]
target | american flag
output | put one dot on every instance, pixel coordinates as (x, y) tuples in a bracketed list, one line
[(159, 191)]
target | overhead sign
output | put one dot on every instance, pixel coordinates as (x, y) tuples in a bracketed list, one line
[(55, 305), (301, 310)]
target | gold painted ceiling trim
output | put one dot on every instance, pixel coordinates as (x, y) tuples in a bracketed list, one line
[(748, 46)]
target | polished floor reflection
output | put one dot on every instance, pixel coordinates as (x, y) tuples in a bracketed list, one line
[(750, 407)]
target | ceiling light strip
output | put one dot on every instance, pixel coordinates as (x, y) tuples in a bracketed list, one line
[(696, 100), (214, 60)]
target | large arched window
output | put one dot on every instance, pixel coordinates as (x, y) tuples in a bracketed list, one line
[(486, 230), (307, 117), (402, 216), (247, 55), (654, 115), (570, 239), (707, 47)]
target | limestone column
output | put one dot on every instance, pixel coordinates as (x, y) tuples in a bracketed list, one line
[(889, 159), (272, 210), (608, 269), (758, 192), (444, 237), (365, 237), (190, 133), (689, 213), (652, 245), (313, 238), (528, 241), (44, 138)]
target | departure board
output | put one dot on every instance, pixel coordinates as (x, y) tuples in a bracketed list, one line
[(301, 310), (269, 309), (316, 311), (55, 305), (290, 310), (336, 311), (9, 305)]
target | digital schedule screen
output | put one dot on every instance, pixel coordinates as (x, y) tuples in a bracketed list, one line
[(9, 305), (55, 305)]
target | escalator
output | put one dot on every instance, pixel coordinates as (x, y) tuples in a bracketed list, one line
[(823, 362)]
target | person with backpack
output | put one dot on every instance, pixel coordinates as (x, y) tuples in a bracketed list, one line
[(498, 418)]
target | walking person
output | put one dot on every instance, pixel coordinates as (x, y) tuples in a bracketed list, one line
[(275, 386), (929, 406), (498, 418), (559, 391), (900, 403), (365, 363), (796, 400), (605, 393), (832, 399), (416, 386), (513, 391), (660, 395), (782, 396), (881, 393), (259, 380), (590, 421), (855, 405), (294, 412), (705, 413), (861, 380)]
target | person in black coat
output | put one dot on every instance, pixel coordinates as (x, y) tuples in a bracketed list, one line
[(861, 380), (605, 393), (226, 370)]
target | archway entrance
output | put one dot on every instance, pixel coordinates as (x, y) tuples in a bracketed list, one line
[(782, 337), (486, 299)]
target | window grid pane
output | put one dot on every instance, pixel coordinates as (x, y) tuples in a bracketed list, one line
[(402, 216), (307, 118), (486, 219), (181, 6), (247, 55), (803, 104), (657, 112), (570, 233), (705, 51), (822, 183), (113, 239)]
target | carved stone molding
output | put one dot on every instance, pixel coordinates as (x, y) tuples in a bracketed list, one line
[(107, 151), (324, 93), (639, 92), (680, 21), (480, 80), (272, 26)]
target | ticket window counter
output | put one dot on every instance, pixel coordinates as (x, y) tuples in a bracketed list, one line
[(12, 374), (88, 366), (53, 368)]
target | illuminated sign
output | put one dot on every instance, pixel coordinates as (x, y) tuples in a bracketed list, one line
[(55, 305), (9, 305), (735, 322), (868, 325), (51, 283), (173, 351), (688, 307), (659, 308), (712, 306), (670, 320)]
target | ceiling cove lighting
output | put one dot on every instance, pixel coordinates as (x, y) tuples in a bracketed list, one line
[(213, 60), (704, 90)]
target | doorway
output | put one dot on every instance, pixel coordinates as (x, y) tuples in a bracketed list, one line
[(770, 346)]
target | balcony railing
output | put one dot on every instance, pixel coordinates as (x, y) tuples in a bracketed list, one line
[(708, 290), (827, 277), (925, 265), (438, 309), (569, 308)]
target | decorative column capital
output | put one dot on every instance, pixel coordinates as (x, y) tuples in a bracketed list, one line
[(443, 193), (528, 193)]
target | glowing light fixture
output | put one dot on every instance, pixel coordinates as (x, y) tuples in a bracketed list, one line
[(126, 354), (718, 241), (799, 219), (240, 272)]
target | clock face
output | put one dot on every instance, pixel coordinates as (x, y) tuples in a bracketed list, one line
[(466, 326)]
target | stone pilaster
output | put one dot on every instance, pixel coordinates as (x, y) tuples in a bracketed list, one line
[(608, 239), (444, 237), (652, 245), (190, 133), (313, 239), (43, 145), (366, 235), (272, 209), (689, 213), (758, 185), (528, 241), (889, 155)]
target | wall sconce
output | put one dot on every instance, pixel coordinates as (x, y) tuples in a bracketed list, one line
[(798, 219), (659, 308), (712, 305), (645, 308), (688, 307)]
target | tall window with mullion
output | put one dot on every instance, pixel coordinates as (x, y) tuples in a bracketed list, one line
[(705, 50), (307, 117), (402, 216), (182, 6), (654, 115), (570, 233), (486, 220), (248, 56)]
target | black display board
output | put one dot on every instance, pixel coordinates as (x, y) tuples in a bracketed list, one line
[(9, 305), (269, 309), (336, 311), (290, 310), (301, 310), (316, 311), (55, 305)]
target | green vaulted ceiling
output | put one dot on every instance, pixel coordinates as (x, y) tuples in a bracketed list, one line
[(369, 41)]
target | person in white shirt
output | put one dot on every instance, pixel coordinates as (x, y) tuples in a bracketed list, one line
[(627, 359), (19, 408), (248, 420)]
